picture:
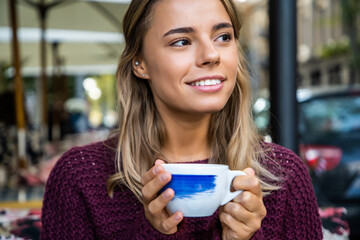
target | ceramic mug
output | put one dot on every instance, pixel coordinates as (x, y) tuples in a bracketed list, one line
[(200, 188)]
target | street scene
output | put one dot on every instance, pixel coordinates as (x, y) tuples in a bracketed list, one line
[(58, 90)]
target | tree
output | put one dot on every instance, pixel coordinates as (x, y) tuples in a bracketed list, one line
[(351, 15)]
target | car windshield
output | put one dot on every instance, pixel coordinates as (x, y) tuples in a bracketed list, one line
[(331, 121)]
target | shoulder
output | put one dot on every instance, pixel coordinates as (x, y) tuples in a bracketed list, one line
[(284, 159), (76, 191), (82, 162), (290, 168), (294, 204)]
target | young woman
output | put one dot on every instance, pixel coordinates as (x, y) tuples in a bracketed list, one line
[(184, 96)]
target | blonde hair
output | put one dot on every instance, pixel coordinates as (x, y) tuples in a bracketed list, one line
[(233, 135)]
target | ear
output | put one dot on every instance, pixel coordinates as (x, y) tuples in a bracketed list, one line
[(139, 68)]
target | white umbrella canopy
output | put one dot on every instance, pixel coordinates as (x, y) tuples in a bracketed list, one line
[(88, 34)]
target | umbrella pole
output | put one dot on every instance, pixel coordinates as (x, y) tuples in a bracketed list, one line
[(42, 9), (19, 89)]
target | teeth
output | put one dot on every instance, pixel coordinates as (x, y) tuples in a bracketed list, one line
[(207, 82)]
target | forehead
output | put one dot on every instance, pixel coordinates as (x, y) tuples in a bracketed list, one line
[(167, 14)]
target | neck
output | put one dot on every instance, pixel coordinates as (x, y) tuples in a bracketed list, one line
[(186, 137)]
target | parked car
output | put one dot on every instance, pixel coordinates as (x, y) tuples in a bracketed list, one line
[(329, 143), (329, 137)]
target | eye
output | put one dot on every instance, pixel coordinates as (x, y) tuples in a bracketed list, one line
[(225, 37), (180, 43)]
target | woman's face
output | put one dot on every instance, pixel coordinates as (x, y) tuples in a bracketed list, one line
[(190, 56)]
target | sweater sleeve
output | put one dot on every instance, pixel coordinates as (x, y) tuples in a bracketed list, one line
[(258, 235), (64, 213), (302, 218)]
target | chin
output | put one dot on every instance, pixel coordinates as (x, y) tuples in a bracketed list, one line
[(213, 108)]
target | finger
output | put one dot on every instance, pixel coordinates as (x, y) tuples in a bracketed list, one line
[(249, 171), (159, 161), (252, 203), (243, 210), (158, 204), (238, 212), (247, 183), (152, 188), (249, 200), (169, 225), (155, 170), (236, 229)]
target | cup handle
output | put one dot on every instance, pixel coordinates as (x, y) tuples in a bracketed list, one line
[(228, 194)]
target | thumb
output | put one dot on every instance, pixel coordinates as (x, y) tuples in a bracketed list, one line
[(249, 171)]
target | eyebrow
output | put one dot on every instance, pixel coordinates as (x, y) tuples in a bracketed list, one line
[(221, 26), (180, 30), (191, 30)]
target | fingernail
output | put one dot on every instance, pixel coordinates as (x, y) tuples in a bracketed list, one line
[(167, 194), (156, 170), (177, 217), (227, 218), (163, 177), (158, 161)]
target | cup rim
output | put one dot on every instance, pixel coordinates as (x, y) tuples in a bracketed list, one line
[(195, 166)]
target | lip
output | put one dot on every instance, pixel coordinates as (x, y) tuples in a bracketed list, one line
[(211, 88), (219, 77)]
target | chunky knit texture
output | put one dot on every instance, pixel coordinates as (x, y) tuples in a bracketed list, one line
[(77, 206)]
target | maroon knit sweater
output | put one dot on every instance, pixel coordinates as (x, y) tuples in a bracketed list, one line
[(77, 206)]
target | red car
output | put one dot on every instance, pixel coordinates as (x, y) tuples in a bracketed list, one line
[(329, 143), (329, 136)]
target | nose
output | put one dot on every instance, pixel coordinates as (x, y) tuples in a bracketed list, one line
[(207, 54)]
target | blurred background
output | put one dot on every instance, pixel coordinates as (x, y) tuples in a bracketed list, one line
[(58, 60)]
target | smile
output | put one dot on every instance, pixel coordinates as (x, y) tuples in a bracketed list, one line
[(207, 82)]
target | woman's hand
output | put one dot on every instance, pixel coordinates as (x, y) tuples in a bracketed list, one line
[(242, 217), (155, 205)]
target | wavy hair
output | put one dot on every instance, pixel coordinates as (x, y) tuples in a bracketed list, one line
[(141, 132)]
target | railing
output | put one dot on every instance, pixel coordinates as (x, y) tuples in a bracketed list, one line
[(320, 72)]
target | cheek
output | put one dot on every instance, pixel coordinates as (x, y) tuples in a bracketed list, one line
[(232, 65), (165, 77), (168, 69)]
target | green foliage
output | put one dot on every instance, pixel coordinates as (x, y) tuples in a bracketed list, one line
[(335, 49), (350, 9), (351, 15)]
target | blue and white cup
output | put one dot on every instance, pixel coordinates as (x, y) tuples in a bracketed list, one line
[(200, 188)]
